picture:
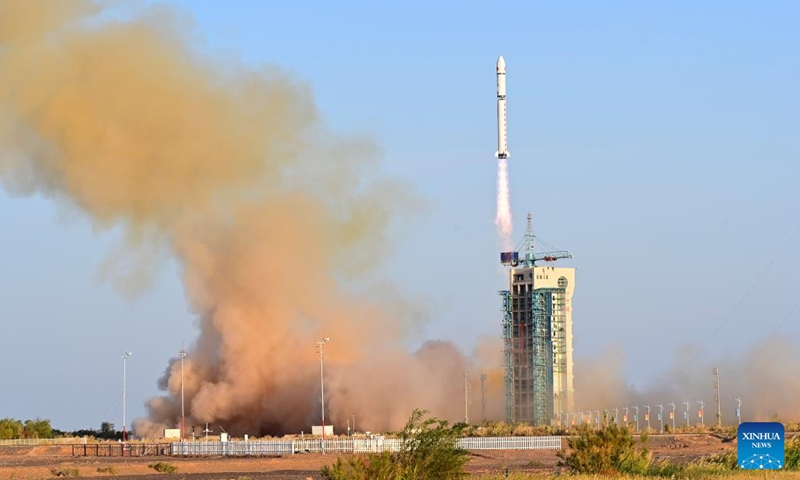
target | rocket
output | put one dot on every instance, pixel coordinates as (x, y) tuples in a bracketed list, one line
[(502, 133)]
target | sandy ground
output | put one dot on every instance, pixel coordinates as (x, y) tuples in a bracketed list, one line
[(34, 463)]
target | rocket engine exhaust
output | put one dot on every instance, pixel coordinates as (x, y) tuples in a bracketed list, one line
[(503, 218)]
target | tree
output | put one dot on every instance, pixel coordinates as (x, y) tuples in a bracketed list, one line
[(37, 428), (107, 430), (10, 428)]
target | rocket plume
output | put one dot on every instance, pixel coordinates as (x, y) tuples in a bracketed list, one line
[(503, 218), (227, 168)]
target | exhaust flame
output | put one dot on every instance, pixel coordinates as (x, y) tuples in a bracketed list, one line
[(503, 218)]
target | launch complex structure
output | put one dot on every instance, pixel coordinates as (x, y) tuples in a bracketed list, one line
[(537, 318)]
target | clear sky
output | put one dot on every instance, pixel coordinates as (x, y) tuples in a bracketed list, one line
[(656, 142)]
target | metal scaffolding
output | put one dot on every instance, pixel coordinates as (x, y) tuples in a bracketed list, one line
[(534, 351), (508, 365)]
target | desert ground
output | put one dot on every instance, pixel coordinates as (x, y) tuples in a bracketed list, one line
[(49, 462)]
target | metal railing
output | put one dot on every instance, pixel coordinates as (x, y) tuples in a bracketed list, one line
[(353, 445), (33, 442)]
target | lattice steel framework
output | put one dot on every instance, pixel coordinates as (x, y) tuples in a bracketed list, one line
[(508, 365)]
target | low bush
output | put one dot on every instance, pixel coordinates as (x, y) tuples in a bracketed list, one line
[(792, 454), (164, 467), (428, 451), (65, 472), (610, 450)]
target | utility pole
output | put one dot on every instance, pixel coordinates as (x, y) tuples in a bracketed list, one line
[(715, 371), (660, 418), (647, 417), (466, 398), (738, 409), (483, 396), (636, 416)]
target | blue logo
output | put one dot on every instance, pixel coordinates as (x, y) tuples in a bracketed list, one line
[(761, 445)]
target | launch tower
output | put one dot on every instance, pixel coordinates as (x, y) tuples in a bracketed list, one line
[(537, 335)]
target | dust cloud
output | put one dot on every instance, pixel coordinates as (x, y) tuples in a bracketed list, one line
[(762, 376), (229, 169)]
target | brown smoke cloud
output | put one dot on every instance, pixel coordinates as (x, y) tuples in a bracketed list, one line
[(763, 376), (230, 170)]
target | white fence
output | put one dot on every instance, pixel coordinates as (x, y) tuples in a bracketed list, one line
[(353, 445), (32, 442)]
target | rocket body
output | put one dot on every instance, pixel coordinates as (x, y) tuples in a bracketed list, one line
[(502, 132)]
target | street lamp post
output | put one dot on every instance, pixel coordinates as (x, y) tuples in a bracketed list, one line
[(660, 418), (686, 414), (636, 416), (738, 409), (672, 404), (322, 387), (647, 417), (616, 415), (702, 406), (183, 354), (124, 393)]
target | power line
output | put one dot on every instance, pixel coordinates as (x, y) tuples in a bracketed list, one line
[(742, 300)]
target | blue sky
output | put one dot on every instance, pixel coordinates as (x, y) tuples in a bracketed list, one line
[(657, 143)]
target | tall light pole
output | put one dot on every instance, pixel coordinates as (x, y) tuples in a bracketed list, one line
[(672, 404), (483, 396), (738, 409), (647, 417), (625, 417), (322, 387), (715, 371), (616, 415), (636, 416), (660, 418), (183, 354), (124, 393), (466, 397)]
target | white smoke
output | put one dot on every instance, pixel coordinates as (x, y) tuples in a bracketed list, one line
[(503, 218)]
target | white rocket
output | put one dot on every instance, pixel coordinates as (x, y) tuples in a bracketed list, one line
[(502, 133)]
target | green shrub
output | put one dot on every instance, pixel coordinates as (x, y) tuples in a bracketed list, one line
[(728, 459), (610, 450), (428, 451), (109, 470), (792, 454), (363, 467), (65, 472), (164, 467)]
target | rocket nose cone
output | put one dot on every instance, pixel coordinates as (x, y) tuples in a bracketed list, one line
[(501, 64)]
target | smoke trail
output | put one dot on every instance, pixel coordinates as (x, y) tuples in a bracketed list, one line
[(229, 169), (503, 218)]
